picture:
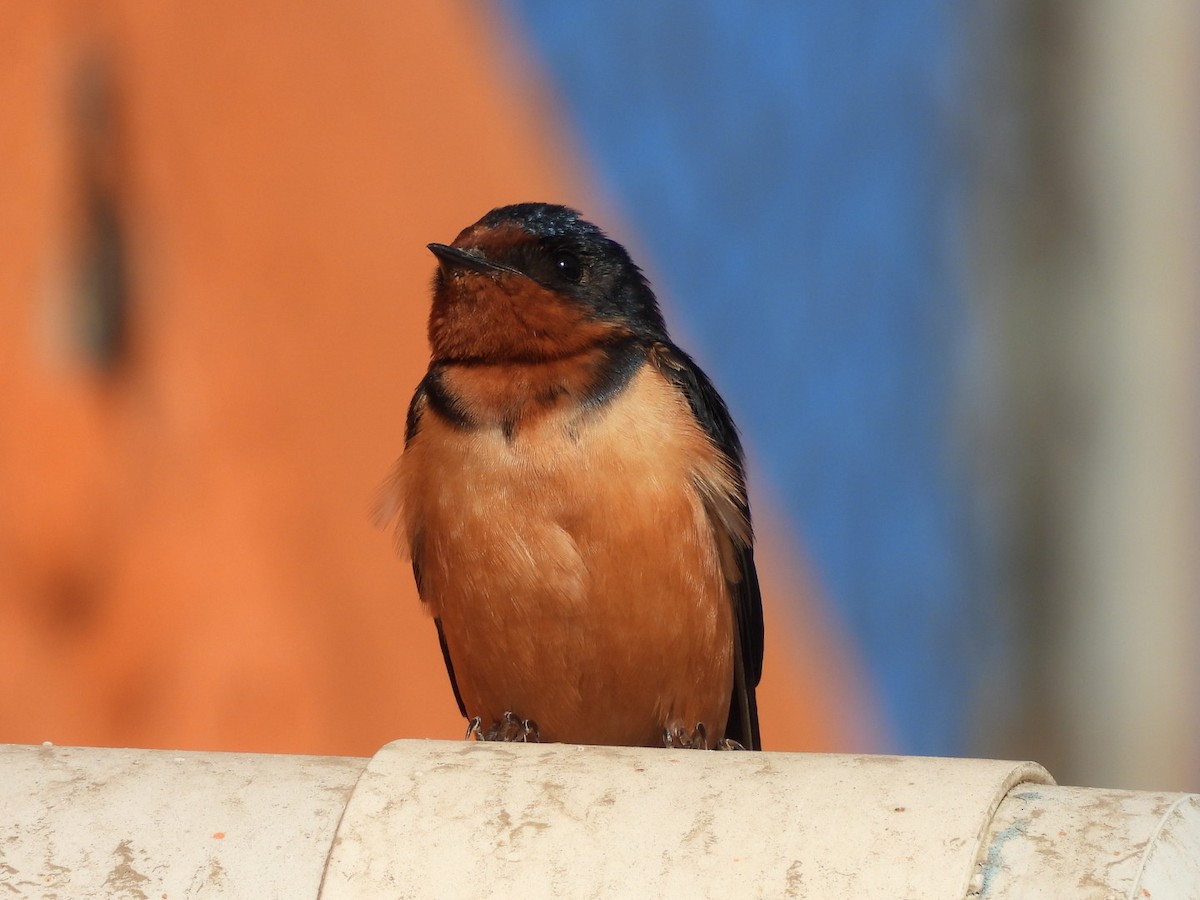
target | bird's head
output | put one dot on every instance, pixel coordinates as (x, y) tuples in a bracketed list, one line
[(535, 282)]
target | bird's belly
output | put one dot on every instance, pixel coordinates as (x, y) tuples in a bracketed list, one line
[(575, 571)]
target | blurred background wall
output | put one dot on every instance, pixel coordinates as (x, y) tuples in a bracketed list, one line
[(941, 262)]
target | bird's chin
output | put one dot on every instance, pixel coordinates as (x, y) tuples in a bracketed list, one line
[(476, 316)]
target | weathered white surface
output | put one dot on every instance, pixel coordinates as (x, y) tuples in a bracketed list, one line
[(1088, 843), (492, 820), (1172, 859), (78, 823), (437, 819)]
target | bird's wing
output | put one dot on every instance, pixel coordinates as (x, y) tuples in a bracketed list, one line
[(712, 414), (413, 424)]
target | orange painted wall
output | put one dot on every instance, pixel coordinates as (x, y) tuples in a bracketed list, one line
[(187, 558)]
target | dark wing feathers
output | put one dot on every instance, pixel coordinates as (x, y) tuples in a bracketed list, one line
[(450, 667), (743, 710), (415, 409), (710, 411)]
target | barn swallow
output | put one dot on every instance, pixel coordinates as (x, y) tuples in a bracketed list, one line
[(573, 498)]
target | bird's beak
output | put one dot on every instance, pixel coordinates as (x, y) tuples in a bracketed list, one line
[(455, 258)]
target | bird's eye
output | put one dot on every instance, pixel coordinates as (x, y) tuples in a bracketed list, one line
[(566, 264)]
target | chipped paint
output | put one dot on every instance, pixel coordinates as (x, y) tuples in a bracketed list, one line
[(124, 880)]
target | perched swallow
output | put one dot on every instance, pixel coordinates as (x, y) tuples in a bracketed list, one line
[(573, 497)]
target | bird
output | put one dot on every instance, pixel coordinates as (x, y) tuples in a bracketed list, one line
[(572, 496)]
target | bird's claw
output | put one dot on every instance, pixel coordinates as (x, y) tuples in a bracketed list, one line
[(678, 737), (511, 728)]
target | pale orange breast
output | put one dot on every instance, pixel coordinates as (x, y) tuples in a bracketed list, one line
[(575, 568)]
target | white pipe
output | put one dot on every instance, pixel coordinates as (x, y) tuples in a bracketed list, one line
[(80, 822), (444, 819)]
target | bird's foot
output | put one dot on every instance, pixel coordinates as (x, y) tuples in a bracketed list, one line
[(676, 737), (511, 729), (679, 738)]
